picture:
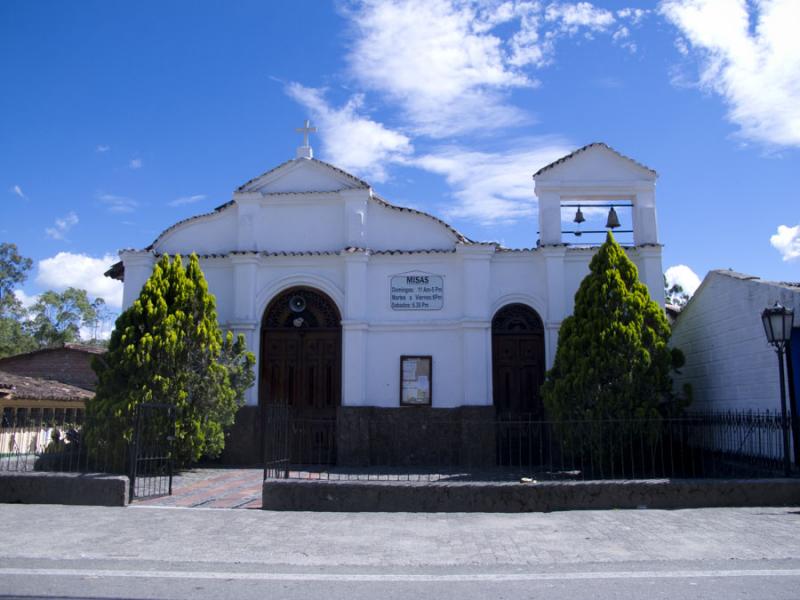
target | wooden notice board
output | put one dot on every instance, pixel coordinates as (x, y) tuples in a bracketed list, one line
[(416, 380)]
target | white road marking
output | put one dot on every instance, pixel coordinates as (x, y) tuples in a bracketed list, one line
[(400, 577)]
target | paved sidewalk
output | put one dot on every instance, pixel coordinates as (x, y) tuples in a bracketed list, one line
[(398, 539), (161, 552), (212, 488)]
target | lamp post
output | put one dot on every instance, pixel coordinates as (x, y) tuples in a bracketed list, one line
[(778, 321)]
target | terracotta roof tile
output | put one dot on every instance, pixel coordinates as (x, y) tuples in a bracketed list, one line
[(355, 179), (564, 159), (36, 388), (459, 236)]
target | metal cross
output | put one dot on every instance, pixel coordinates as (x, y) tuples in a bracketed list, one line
[(305, 130)]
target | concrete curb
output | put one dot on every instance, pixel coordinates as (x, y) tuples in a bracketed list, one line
[(89, 489), (381, 496)]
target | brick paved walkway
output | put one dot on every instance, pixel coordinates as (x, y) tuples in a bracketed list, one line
[(213, 488)]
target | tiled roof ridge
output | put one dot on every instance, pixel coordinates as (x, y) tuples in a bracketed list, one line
[(88, 348), (745, 277), (218, 209), (346, 250), (574, 153), (38, 388), (360, 182), (459, 236)]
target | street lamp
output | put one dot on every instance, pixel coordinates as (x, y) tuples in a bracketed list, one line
[(778, 321)]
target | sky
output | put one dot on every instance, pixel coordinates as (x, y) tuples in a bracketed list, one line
[(118, 119)]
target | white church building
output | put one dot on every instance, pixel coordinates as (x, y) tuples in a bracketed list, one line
[(357, 308)]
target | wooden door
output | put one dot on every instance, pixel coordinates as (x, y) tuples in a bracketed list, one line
[(301, 369), (518, 365)]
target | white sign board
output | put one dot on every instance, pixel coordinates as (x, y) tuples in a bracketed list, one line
[(417, 291)]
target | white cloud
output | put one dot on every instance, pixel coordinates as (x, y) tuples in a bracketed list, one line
[(118, 204), (26, 300), (187, 200), (438, 59), (634, 15), (787, 241), (17, 191), (135, 163), (621, 37), (572, 17), (450, 64), (62, 226), (749, 54), (493, 187), (350, 140), (66, 269), (683, 276), (102, 148)]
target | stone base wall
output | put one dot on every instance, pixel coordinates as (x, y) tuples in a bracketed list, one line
[(365, 436), (88, 489), (416, 436), (243, 444), (379, 496)]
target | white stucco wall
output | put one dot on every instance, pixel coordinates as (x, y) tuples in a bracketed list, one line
[(308, 224), (729, 363)]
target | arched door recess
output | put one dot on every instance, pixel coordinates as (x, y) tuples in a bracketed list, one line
[(300, 369), (518, 361)]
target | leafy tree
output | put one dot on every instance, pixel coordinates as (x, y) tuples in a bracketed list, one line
[(612, 360), (102, 315), (168, 348), (675, 294), (13, 271), (57, 317), (54, 318), (14, 339)]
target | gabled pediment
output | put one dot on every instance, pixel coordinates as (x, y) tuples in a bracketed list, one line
[(594, 162), (303, 175)]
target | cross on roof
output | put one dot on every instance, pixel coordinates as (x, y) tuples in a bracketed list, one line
[(305, 130)]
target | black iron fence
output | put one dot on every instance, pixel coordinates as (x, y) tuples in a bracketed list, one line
[(152, 451), (700, 445), (67, 441), (52, 440)]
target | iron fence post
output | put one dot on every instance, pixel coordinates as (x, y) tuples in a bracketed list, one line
[(132, 451), (787, 465)]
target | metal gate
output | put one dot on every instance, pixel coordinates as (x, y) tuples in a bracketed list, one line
[(152, 451), (275, 431)]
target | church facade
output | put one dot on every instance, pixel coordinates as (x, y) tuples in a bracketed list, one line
[(355, 307)]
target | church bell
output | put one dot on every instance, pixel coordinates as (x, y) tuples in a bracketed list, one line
[(579, 218), (613, 219)]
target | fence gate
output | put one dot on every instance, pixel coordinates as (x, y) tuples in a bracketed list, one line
[(152, 451), (275, 431)]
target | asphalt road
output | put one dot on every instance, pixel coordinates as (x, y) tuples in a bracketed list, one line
[(83, 552)]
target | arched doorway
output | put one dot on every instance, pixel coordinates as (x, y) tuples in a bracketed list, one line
[(518, 362), (300, 371)]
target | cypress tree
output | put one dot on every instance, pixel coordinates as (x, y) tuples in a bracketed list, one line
[(168, 348), (612, 360)]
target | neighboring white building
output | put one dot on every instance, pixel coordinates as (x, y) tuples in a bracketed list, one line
[(332, 285), (729, 363)]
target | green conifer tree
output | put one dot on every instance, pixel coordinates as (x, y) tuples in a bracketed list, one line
[(612, 360), (168, 348)]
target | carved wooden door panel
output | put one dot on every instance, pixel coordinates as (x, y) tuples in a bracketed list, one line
[(301, 369), (518, 365)]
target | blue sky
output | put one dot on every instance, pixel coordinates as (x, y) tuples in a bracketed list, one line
[(118, 119)]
